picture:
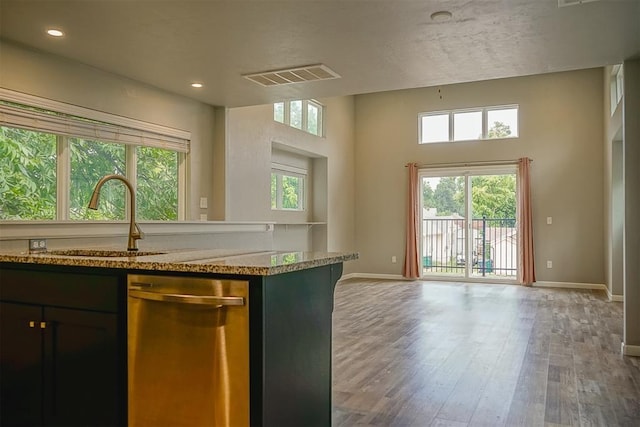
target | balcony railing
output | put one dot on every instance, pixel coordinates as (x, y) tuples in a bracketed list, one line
[(494, 243)]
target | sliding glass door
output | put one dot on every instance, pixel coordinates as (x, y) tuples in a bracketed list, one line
[(468, 224)]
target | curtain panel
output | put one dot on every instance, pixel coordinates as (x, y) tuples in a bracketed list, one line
[(411, 268), (527, 273)]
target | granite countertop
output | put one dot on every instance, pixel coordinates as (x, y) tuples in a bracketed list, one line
[(259, 263)]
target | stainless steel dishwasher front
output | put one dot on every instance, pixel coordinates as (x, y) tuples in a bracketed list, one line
[(188, 344)]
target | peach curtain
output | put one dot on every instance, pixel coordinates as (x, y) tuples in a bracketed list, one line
[(411, 268), (527, 273)]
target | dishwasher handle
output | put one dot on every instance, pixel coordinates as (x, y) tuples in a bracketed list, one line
[(186, 299)]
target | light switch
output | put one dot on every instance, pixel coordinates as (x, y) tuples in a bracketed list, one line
[(549, 264), (549, 220), (203, 203)]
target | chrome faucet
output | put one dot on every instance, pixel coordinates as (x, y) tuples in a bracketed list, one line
[(134, 231)]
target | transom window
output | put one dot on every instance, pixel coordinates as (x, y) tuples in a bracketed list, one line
[(617, 86), (306, 115), (469, 124), (49, 167)]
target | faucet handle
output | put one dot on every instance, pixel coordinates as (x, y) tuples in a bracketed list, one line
[(138, 234)]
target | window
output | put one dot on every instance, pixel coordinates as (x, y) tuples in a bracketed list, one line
[(27, 175), (435, 128), (502, 122), (306, 115), (287, 188), (157, 181), (278, 112), (50, 163), (90, 161), (295, 114), (617, 86), (467, 125), (470, 124)]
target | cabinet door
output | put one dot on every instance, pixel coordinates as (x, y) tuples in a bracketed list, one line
[(20, 365), (81, 368)]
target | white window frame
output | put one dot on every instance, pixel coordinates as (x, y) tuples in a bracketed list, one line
[(305, 113), (280, 170), (617, 86), (101, 127), (485, 124)]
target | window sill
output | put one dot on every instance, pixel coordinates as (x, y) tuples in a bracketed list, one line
[(20, 230)]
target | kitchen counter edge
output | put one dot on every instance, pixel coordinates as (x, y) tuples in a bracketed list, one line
[(257, 263)]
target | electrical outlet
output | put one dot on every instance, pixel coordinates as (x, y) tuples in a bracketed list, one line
[(549, 220), (549, 264), (394, 259), (203, 203), (37, 245)]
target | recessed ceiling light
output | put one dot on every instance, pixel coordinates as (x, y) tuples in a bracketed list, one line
[(441, 16), (196, 85), (53, 32)]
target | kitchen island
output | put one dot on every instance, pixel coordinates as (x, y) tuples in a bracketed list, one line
[(64, 333)]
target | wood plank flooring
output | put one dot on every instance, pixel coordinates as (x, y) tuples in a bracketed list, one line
[(453, 354)]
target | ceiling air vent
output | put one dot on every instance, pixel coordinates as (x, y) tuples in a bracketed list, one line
[(308, 73)]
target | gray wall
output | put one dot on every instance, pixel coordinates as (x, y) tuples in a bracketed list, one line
[(253, 133), (561, 129), (631, 140)]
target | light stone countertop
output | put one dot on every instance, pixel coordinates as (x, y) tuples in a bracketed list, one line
[(221, 261)]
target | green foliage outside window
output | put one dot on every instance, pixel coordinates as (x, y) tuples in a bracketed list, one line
[(499, 130), (90, 161), (157, 184), (27, 175), (287, 192), (28, 178), (492, 196), (274, 191), (291, 192)]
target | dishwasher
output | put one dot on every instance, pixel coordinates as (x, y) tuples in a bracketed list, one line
[(188, 351)]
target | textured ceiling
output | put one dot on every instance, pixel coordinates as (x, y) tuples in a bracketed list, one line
[(374, 45)]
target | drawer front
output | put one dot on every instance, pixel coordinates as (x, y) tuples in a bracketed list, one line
[(61, 289)]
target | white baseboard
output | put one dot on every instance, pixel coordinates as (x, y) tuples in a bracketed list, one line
[(561, 285), (570, 285), (630, 350), (614, 298), (374, 276)]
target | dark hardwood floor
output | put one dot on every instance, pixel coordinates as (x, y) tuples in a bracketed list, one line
[(451, 354)]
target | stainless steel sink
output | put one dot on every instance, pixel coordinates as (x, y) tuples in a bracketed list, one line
[(102, 253)]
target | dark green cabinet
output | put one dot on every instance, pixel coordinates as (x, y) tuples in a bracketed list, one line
[(60, 360), (20, 365)]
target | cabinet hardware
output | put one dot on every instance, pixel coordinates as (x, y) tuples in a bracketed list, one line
[(43, 325), (32, 324)]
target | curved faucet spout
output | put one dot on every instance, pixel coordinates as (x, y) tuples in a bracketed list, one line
[(134, 230)]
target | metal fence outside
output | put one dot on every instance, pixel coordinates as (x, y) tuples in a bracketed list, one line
[(494, 247)]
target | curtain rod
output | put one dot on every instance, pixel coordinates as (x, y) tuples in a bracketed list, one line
[(465, 164)]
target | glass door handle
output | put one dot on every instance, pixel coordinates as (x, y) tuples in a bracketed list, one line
[(187, 299)]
